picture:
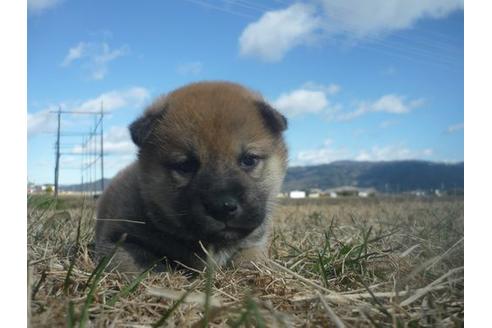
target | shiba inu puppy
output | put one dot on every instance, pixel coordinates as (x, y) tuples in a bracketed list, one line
[(211, 160)]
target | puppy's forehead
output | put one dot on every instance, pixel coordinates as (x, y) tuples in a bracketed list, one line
[(224, 90), (219, 118)]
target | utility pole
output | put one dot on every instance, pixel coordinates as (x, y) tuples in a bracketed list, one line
[(82, 163), (102, 149), (57, 163), (90, 153)]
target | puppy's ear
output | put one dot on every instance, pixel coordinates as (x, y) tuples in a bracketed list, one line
[(275, 121), (142, 127)]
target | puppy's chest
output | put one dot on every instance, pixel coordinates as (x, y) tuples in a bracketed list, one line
[(222, 256)]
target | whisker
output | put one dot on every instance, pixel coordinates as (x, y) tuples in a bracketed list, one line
[(176, 215), (121, 220)]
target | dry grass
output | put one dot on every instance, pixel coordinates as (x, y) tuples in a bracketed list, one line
[(345, 263)]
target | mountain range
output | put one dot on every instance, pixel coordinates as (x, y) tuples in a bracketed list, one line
[(384, 176)]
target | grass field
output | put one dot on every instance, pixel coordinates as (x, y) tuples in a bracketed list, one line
[(378, 262)]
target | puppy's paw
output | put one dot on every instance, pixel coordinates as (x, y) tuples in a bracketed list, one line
[(249, 258)]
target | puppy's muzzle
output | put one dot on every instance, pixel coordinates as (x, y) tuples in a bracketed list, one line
[(222, 207)]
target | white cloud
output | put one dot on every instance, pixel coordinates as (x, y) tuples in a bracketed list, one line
[(75, 53), (391, 104), (392, 152), (191, 68), (330, 89), (428, 152), (117, 141), (314, 98), (113, 164), (130, 98), (301, 101), (101, 60), (41, 122), (360, 18), (95, 57), (455, 128), (276, 32), (322, 155), (310, 98), (328, 153), (117, 145), (39, 6), (44, 122)]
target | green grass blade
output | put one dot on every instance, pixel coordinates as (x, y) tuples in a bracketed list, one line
[(71, 315), (96, 274), (66, 283), (260, 322), (170, 311), (322, 270), (131, 286), (380, 306), (241, 320), (38, 284), (209, 276)]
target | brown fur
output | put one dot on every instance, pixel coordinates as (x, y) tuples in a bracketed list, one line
[(214, 128)]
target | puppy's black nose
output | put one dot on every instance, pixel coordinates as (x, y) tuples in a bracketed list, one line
[(222, 207), (229, 206)]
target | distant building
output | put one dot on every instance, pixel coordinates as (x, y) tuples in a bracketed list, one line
[(342, 191), (350, 191), (33, 188), (333, 194), (297, 194), (315, 193), (418, 193), (366, 192)]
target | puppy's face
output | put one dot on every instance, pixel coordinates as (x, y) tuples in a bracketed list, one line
[(212, 160)]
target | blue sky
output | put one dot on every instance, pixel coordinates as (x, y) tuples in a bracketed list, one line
[(360, 80)]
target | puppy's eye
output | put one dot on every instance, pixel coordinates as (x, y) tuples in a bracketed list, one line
[(249, 161), (185, 167)]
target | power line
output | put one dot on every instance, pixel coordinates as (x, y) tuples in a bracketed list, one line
[(437, 50)]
